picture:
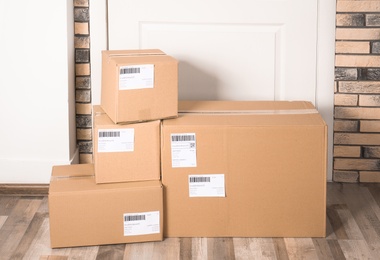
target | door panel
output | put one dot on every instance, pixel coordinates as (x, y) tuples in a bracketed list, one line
[(242, 50)]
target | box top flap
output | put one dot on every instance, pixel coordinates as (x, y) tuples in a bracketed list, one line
[(101, 119), (81, 178), (215, 106), (143, 52), (246, 113)]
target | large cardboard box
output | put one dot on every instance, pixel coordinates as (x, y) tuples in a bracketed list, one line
[(125, 152), (83, 213), (244, 169), (139, 85)]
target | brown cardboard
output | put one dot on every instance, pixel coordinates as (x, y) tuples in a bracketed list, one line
[(273, 159), (82, 213), (124, 104), (138, 164)]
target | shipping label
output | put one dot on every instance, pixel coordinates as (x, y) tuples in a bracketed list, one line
[(116, 140), (136, 77), (184, 150), (207, 185), (142, 223)]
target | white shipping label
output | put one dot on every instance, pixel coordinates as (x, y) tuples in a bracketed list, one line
[(207, 185), (142, 223), (184, 150), (116, 140), (136, 77)]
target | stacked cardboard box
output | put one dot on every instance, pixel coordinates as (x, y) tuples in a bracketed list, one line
[(228, 168), (244, 169), (119, 198)]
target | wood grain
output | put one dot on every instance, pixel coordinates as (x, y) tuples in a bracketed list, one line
[(24, 189), (352, 226)]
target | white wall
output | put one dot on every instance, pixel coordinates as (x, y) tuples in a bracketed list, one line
[(37, 109)]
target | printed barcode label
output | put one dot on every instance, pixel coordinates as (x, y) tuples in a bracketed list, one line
[(116, 140), (200, 179), (184, 150), (109, 134), (129, 70), (207, 185), (136, 77), (142, 223), (183, 138), (134, 217)]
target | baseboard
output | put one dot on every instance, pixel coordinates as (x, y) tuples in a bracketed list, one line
[(24, 189)]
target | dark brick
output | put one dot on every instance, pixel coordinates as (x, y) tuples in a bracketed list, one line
[(81, 14), (346, 74), (83, 83), (350, 20), (371, 152), (85, 146), (82, 42), (362, 74), (84, 121), (83, 96), (376, 47), (82, 55), (373, 74), (373, 19)]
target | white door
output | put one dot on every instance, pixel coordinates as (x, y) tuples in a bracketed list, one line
[(230, 50)]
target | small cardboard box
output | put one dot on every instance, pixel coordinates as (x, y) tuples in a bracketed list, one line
[(139, 85), (125, 152), (244, 169), (83, 213)]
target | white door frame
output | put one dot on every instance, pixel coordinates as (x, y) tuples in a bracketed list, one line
[(325, 60)]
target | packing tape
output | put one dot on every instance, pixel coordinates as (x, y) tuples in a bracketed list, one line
[(57, 178), (251, 112)]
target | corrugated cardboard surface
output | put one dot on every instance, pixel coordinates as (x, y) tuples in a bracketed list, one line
[(83, 213), (143, 163), (138, 105), (274, 164)]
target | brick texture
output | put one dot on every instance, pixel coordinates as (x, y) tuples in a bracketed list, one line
[(352, 47), (370, 126), (83, 80), (357, 92), (347, 151)]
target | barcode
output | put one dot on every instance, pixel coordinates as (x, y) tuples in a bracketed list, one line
[(129, 70), (134, 217), (109, 134), (200, 179), (182, 138)]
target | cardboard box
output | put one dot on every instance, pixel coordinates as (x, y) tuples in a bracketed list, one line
[(125, 152), (139, 85), (83, 213), (244, 169)]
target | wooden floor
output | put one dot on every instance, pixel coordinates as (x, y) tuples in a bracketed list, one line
[(353, 232)]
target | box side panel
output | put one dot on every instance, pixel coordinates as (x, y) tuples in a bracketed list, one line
[(109, 88), (140, 164), (83, 219), (274, 182), (277, 181), (158, 102)]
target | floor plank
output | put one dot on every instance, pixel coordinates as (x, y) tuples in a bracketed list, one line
[(352, 228), (300, 248), (16, 225)]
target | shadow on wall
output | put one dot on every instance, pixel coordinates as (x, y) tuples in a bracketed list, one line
[(195, 83)]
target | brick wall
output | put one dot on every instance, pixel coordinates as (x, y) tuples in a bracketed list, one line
[(82, 80), (357, 92)]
